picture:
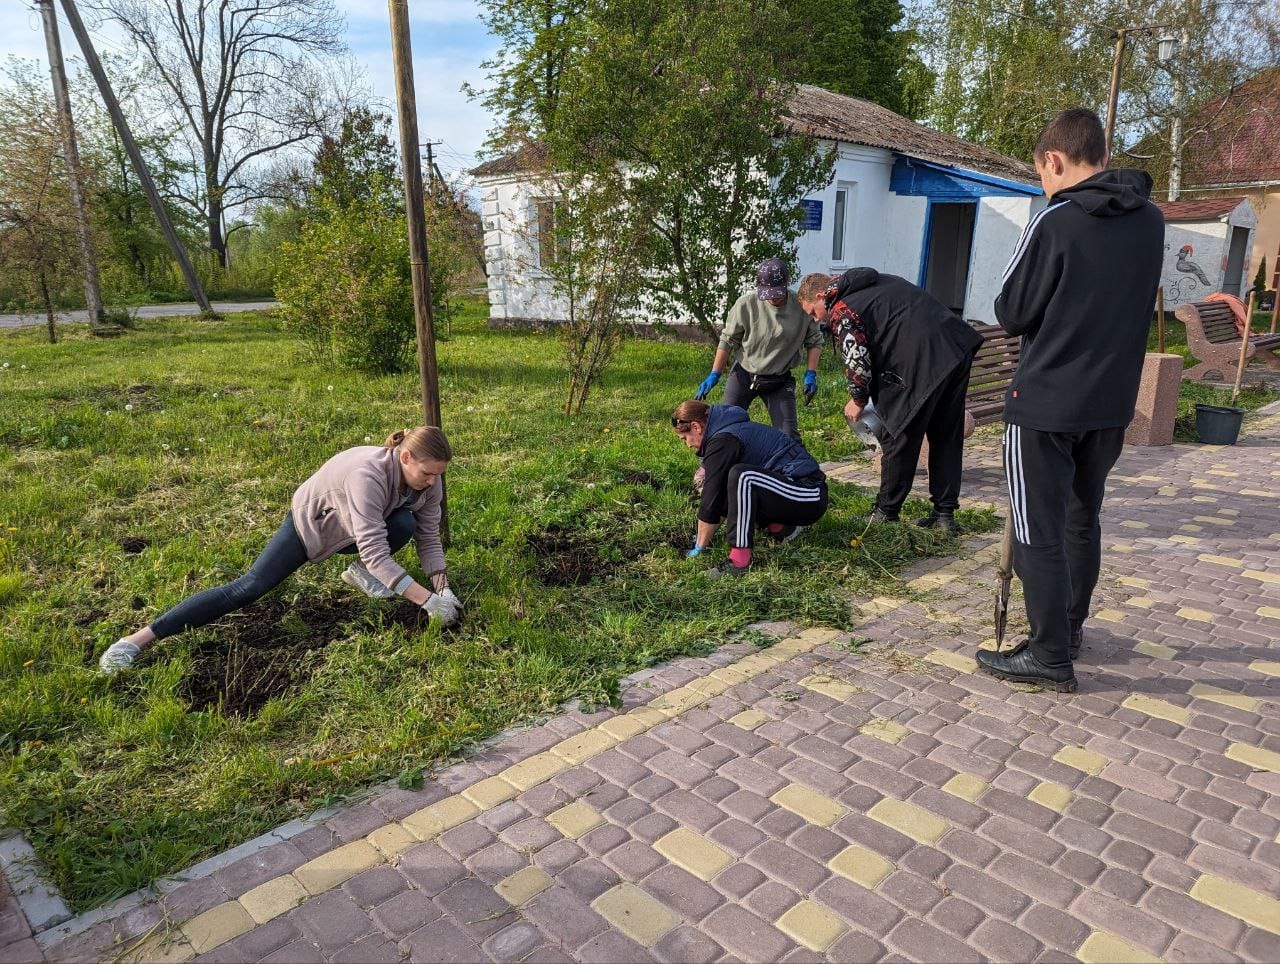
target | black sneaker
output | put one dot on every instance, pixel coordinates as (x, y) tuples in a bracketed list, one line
[(727, 570), (1023, 667), (879, 515), (941, 521), (1077, 640)]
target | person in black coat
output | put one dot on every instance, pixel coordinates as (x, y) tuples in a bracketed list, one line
[(911, 355), (1080, 291)]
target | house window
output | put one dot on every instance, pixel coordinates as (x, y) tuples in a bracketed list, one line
[(552, 247), (841, 216)]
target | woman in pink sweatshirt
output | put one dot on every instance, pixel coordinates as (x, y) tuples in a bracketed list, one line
[(368, 501)]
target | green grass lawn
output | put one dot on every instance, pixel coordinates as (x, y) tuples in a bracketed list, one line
[(136, 470)]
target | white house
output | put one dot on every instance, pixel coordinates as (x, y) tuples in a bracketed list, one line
[(1206, 248), (904, 199)]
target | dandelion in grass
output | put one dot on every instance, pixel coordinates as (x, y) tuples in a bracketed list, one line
[(471, 408), (329, 388), (368, 439), (128, 406), (164, 446)]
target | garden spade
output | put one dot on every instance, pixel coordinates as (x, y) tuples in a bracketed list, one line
[(1004, 570)]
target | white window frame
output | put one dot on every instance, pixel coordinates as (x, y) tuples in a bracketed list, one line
[(843, 208)]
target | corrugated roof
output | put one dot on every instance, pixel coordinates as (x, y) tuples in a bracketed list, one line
[(850, 120), (1207, 209), (1237, 143), (819, 112)]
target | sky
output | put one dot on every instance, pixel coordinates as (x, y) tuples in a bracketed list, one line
[(449, 44)]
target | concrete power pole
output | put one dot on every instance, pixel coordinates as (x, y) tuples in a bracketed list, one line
[(414, 204), (71, 153), (1175, 135), (135, 155)]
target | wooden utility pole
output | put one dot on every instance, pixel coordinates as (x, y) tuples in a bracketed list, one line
[(71, 154), (135, 155), (414, 207), (1113, 98)]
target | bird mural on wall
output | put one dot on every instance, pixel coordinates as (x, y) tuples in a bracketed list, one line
[(1187, 266)]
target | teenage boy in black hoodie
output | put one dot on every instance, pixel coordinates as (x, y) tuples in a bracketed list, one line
[(1080, 291)]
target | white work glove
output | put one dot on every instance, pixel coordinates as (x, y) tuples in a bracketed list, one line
[(443, 608), (447, 593)]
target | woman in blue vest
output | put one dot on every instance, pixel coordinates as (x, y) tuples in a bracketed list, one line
[(756, 478)]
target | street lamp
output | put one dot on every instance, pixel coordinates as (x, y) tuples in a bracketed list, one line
[(1120, 35)]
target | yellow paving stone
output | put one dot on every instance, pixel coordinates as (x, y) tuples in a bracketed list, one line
[(430, 822), (268, 901), (1228, 512), (811, 925), (1150, 478), (1140, 602), (920, 825), (523, 884), (750, 719), (1196, 615), (1260, 493), (623, 727), (966, 786), (1110, 615), (837, 689), (1051, 795), (1270, 577), (709, 686), (1167, 490), (1213, 520), (1265, 666), (215, 927), (1255, 756), (1221, 560), (391, 840), (575, 819), (886, 730), (930, 581), (1203, 691), (583, 746), (864, 867), (489, 792), (694, 852), (1081, 759), (1120, 548), (1159, 708), (881, 605), (1135, 582), (679, 699), (1241, 902), (329, 870), (1135, 524), (166, 947), (537, 769), (647, 715), (1271, 611), (944, 657), (817, 635), (1230, 475), (731, 675), (813, 806), (1189, 527), (1103, 948), (636, 914), (1185, 540)]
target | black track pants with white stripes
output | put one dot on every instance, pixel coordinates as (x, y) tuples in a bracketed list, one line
[(941, 421), (1056, 483), (758, 498)]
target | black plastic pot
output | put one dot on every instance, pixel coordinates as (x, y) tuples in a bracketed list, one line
[(1218, 424)]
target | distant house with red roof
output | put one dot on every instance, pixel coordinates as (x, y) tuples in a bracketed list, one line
[(1235, 154)]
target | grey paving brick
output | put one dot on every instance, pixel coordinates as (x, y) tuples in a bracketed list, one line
[(441, 941), (746, 936), (922, 941), (430, 868), (682, 892), (513, 942), (476, 908), (687, 945)]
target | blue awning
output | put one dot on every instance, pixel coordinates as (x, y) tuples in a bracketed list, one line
[(916, 178)]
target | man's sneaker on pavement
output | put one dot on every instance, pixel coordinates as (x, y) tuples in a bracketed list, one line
[(359, 577), (118, 655)]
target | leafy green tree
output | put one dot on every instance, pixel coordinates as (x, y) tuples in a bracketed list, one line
[(1260, 279), (358, 167), (859, 48)]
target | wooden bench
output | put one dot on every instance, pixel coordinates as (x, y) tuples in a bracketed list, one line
[(993, 369), (1214, 342)]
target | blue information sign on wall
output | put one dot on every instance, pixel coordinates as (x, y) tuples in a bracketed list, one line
[(812, 214)]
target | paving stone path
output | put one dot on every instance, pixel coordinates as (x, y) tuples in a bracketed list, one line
[(840, 796)]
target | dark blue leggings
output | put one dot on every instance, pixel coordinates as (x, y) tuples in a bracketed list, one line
[(283, 556)]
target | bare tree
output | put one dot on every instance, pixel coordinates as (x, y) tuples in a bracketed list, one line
[(244, 78)]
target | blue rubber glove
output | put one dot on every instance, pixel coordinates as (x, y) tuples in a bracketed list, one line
[(708, 383), (810, 386), (694, 552)]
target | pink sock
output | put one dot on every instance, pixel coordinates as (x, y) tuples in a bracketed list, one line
[(740, 557), (775, 527)]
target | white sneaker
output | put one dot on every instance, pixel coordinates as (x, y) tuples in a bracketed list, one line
[(359, 577), (119, 655)]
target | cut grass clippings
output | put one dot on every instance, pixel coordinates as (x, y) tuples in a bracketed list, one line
[(138, 470)]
